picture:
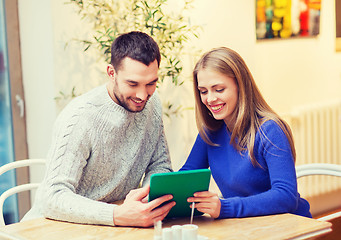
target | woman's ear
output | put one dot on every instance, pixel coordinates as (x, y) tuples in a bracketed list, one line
[(111, 71)]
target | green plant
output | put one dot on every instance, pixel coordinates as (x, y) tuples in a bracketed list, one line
[(169, 29), (62, 95)]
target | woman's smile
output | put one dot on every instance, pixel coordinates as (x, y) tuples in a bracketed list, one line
[(217, 108)]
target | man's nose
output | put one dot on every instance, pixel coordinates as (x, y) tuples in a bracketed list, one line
[(142, 94)]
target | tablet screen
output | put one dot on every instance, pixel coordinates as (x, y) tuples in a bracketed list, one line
[(181, 185)]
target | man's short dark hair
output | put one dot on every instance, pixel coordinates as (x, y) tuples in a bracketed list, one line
[(136, 45)]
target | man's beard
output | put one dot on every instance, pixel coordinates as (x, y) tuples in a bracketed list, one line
[(124, 103)]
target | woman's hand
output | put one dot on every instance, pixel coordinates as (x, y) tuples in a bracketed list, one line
[(206, 202)]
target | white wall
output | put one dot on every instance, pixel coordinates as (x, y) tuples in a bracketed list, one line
[(289, 72), (36, 39)]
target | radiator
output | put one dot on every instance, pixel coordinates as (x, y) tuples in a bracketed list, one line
[(317, 136)]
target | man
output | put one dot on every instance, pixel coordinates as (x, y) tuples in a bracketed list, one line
[(105, 141)]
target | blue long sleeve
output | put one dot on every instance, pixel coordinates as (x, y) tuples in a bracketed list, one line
[(248, 190)]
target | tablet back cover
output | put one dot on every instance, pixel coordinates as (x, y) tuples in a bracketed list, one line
[(181, 185)]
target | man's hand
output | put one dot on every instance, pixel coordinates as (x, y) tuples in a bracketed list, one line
[(207, 202), (136, 212)]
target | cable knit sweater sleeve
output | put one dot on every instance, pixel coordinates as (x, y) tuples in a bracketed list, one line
[(71, 147)]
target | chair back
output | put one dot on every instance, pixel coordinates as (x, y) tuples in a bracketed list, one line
[(320, 169), (19, 188)]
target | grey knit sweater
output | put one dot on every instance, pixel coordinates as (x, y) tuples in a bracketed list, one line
[(99, 152)]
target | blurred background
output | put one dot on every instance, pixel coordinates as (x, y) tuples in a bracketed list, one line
[(45, 61)]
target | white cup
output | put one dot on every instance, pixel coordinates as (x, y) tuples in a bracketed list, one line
[(167, 234), (158, 230), (177, 232), (190, 232)]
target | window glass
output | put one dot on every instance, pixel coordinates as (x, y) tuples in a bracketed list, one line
[(7, 180)]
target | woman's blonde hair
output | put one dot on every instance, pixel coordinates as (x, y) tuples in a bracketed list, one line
[(251, 110)]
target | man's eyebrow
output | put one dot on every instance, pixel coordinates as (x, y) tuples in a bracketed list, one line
[(154, 81), (132, 81), (136, 82)]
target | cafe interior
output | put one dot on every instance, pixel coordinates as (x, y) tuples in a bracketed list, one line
[(292, 48)]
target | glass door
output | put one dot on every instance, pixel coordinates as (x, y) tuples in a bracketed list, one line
[(7, 180)]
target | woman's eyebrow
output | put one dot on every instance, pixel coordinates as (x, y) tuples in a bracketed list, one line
[(213, 86)]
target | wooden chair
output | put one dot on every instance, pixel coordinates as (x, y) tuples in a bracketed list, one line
[(19, 188)]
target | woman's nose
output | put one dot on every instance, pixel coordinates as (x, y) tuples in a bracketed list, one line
[(211, 97)]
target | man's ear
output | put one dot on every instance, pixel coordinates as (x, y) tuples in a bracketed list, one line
[(111, 71)]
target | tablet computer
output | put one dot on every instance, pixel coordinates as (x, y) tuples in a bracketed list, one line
[(181, 185)]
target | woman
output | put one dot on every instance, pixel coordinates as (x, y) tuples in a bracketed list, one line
[(248, 147)]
